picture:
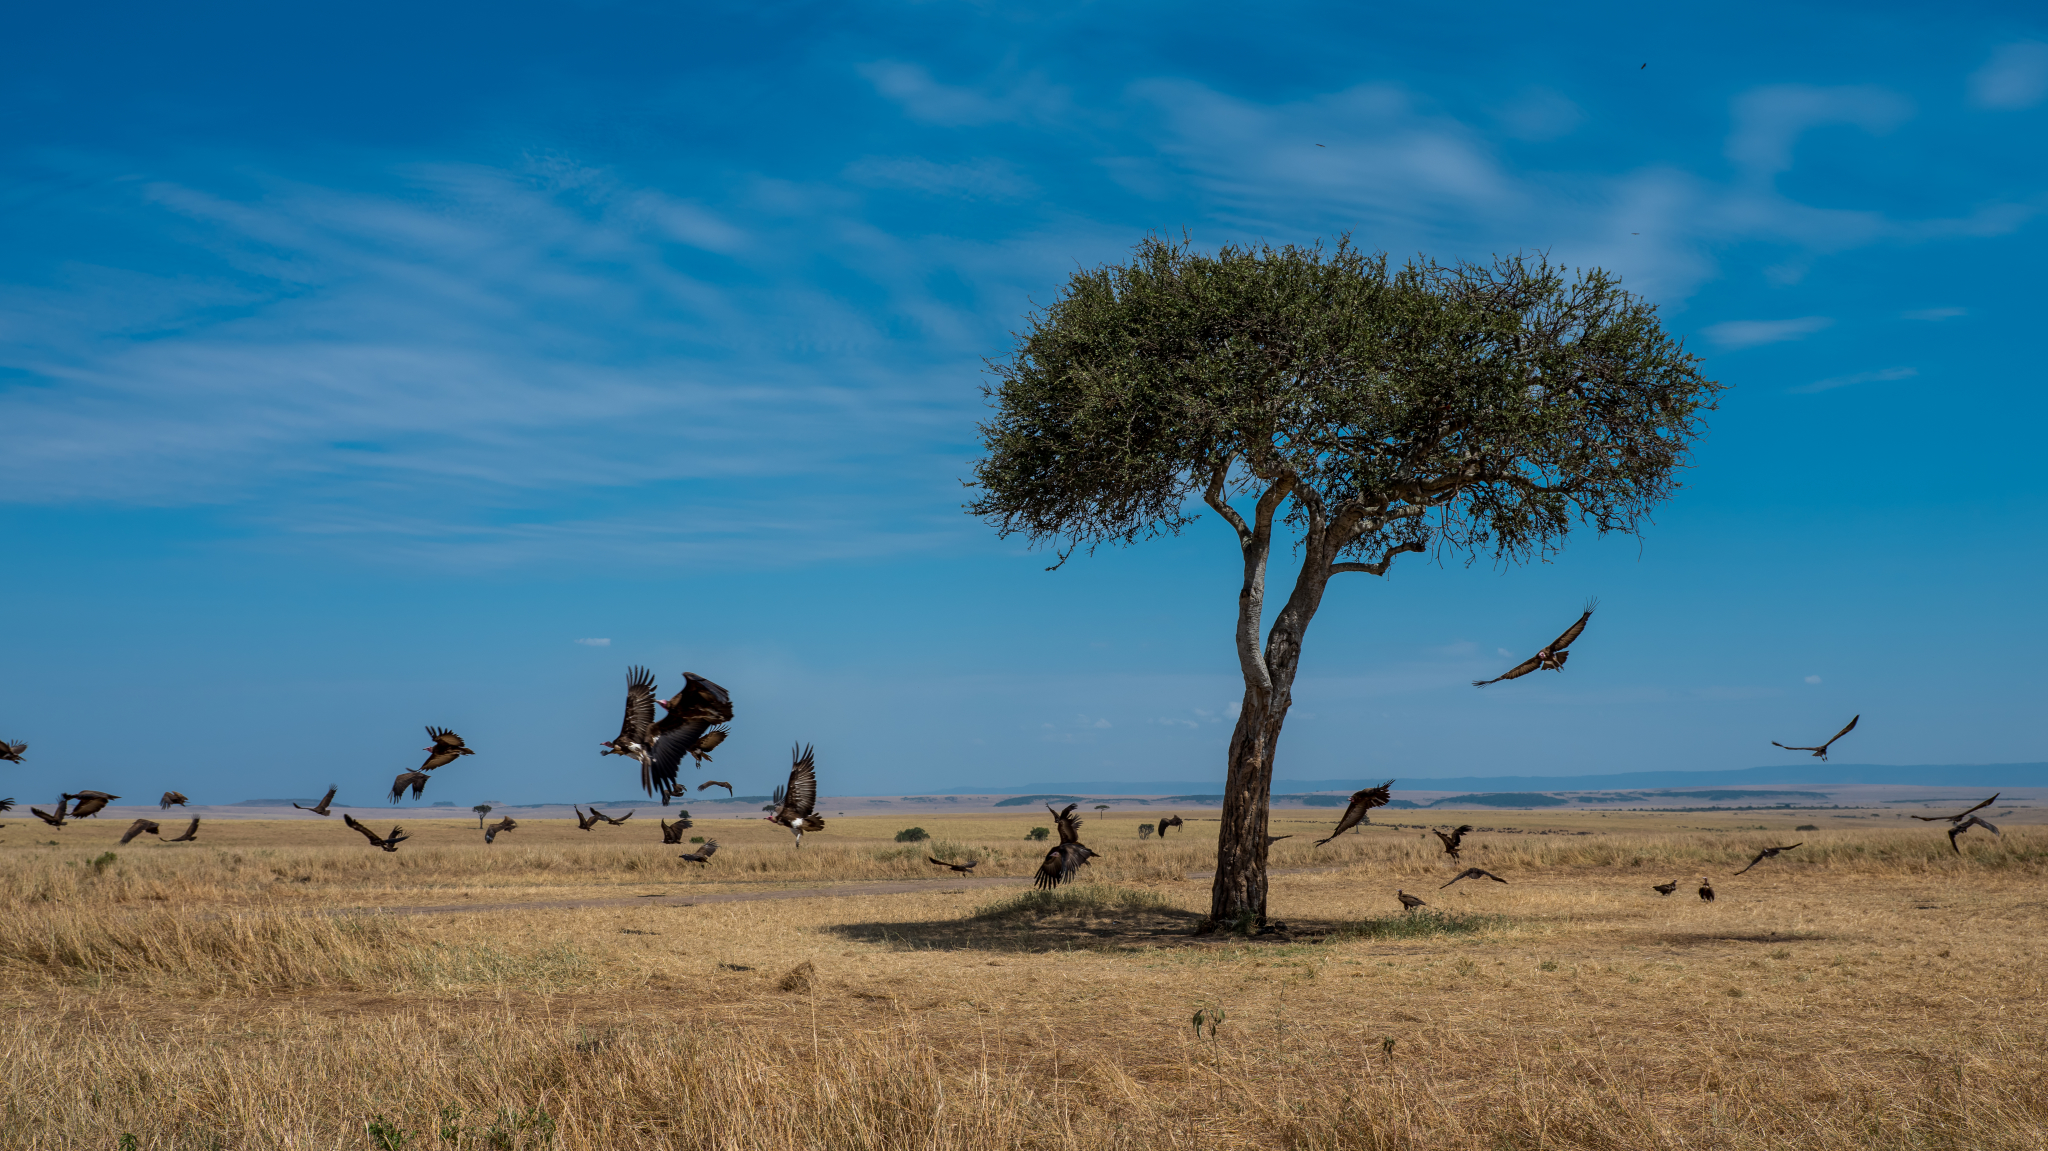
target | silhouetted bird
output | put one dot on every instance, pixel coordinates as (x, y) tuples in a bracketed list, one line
[(506, 824), (702, 854), (702, 751), (1169, 821), (1452, 840), (1552, 657), (1361, 803), (7, 804), (11, 752), (89, 803), (1409, 902), (635, 740), (320, 808), (1273, 839), (191, 832), (966, 868), (585, 822), (56, 820), (1822, 750), (673, 832), (140, 827), (1973, 821), (1959, 816), (417, 780), (715, 783), (443, 751), (608, 819), (1474, 873), (1769, 853), (1706, 890), (1068, 856), (388, 843), (1665, 888), (799, 797), (172, 799), (684, 730)]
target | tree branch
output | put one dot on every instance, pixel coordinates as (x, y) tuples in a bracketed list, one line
[(1386, 560), (1215, 499)]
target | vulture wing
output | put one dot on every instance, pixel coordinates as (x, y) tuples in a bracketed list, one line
[(7, 804), (191, 832), (1928, 818), (701, 750), (699, 699), (1759, 859), (715, 783), (802, 793), (140, 827), (639, 707), (1052, 872), (1361, 803), (1849, 727), (321, 807), (1516, 672), (1571, 633), (396, 837), (1069, 824), (672, 741), (367, 833), (417, 780), (11, 752), (172, 799)]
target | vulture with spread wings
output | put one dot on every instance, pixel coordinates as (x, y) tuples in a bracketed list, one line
[(634, 739), (1169, 821), (1959, 816), (417, 780), (172, 799), (595, 813), (7, 804), (1474, 873), (1822, 750), (673, 832), (140, 827), (715, 783), (1973, 821), (1769, 853), (11, 752), (702, 854), (320, 808), (89, 803), (1361, 803), (56, 820), (686, 730), (1552, 657), (388, 843), (799, 797), (444, 749), (1068, 856), (191, 832), (506, 824), (1452, 840), (966, 868)]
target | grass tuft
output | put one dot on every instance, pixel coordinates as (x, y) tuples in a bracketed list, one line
[(1075, 899), (1422, 924)]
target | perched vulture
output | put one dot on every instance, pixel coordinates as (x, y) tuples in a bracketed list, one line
[(673, 832), (1822, 750), (596, 814), (444, 749), (1169, 821), (715, 783), (388, 843), (634, 740), (1474, 873), (506, 824), (417, 780), (1958, 817), (1769, 853), (702, 854), (966, 868), (89, 803), (11, 752), (191, 832), (140, 827), (1973, 821), (1552, 657), (1409, 902), (1706, 890), (685, 730), (172, 799), (1361, 803), (1665, 888), (1452, 840), (320, 808), (1069, 856), (799, 797), (56, 820)]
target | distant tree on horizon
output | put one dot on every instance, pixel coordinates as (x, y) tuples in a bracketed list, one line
[(1365, 410), (481, 809)]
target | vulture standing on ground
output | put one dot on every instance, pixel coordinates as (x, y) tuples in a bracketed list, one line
[(1451, 841), (89, 803), (966, 868), (417, 780), (56, 820), (1169, 821), (1409, 902), (191, 832), (715, 783), (1474, 873), (1551, 658), (506, 824), (172, 799), (320, 808), (1064, 860), (140, 827), (702, 854), (1706, 890), (388, 843), (799, 797), (686, 730), (443, 751), (11, 752), (1361, 803), (1822, 750), (673, 832), (634, 740), (1665, 888), (1973, 821), (1769, 853)]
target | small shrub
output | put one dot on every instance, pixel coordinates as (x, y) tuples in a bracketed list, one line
[(1039, 833), (102, 863), (1807, 827), (912, 835), (1074, 899), (1423, 922), (696, 839), (385, 1135)]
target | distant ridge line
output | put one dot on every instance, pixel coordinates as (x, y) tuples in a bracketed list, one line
[(1838, 774)]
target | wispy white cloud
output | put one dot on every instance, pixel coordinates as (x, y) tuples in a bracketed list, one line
[(1539, 114), (2016, 76), (1813, 679), (594, 642), (1834, 382), (924, 98), (1769, 120), (1733, 334)]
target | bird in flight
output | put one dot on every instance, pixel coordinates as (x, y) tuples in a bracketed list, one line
[(634, 739), (673, 832), (1408, 901), (1474, 873), (1552, 657), (417, 780), (388, 843), (1965, 825), (1706, 890), (11, 752), (172, 799), (961, 868), (1769, 853), (89, 803), (1362, 802), (1066, 857), (140, 827), (7, 804), (799, 797), (1452, 840), (320, 808), (715, 783), (1959, 816), (56, 820), (1822, 750), (506, 824), (685, 730), (702, 854), (443, 751), (1169, 821), (608, 819), (191, 832)]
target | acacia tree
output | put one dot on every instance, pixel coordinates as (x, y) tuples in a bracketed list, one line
[(1366, 410)]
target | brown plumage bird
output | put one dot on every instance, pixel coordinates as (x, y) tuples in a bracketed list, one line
[(1169, 821), (702, 751), (140, 827), (966, 868), (673, 832), (7, 804), (445, 748), (1474, 873), (417, 780), (685, 730), (506, 824), (1973, 821), (1552, 657), (320, 808), (608, 819), (11, 752), (172, 799), (585, 822), (1822, 750), (715, 783), (1362, 802), (702, 854), (89, 803), (388, 843), (1706, 890), (1959, 816), (56, 820), (1665, 888), (799, 797), (1452, 840), (635, 740), (191, 832), (1069, 856), (1770, 853), (1409, 902)]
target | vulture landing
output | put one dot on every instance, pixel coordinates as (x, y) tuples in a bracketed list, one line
[(1169, 821), (1552, 657), (1822, 750), (673, 832), (702, 854), (1362, 802), (1769, 853), (56, 820), (685, 730), (1474, 873), (1063, 861), (417, 780), (799, 797), (388, 843), (191, 832), (140, 827), (966, 868), (1452, 840), (505, 824), (1973, 821), (320, 808), (635, 740), (172, 799), (1959, 816)]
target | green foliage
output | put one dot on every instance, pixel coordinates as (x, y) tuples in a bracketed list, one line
[(102, 863), (1214, 1017), (1039, 833), (912, 835), (1074, 899), (696, 839), (385, 1135), (1421, 923)]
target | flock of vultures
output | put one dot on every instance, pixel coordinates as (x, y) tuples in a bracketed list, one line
[(696, 720)]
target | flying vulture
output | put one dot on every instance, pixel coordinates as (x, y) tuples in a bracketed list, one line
[(596, 814), (1361, 803), (444, 749), (585, 822), (1706, 890), (634, 740), (1665, 888), (1973, 821), (702, 854), (1769, 853), (89, 803), (800, 796), (1958, 817), (1408, 901), (172, 799), (1474, 873), (1822, 750), (1068, 857), (715, 783), (702, 752), (1552, 657), (1451, 841), (11, 752), (7, 804), (684, 730), (388, 843), (191, 832), (1169, 821), (966, 868), (417, 780), (506, 824), (320, 808), (56, 820), (673, 832), (1273, 839), (140, 827)]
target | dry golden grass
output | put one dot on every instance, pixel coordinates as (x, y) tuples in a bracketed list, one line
[(1871, 989)]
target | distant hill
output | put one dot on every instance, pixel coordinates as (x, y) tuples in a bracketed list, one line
[(1810, 772)]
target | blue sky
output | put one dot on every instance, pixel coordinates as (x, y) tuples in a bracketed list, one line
[(357, 364)]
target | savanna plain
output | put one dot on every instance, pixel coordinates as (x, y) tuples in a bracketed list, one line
[(280, 984)]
